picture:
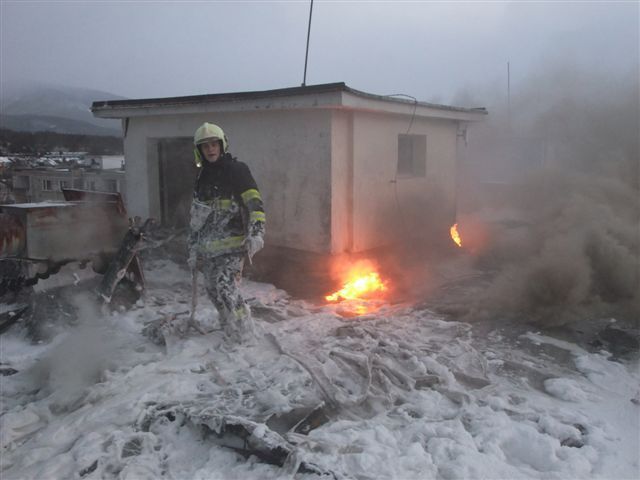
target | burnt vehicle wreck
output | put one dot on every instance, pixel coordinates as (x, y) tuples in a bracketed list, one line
[(88, 228)]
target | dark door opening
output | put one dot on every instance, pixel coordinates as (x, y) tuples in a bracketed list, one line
[(177, 177)]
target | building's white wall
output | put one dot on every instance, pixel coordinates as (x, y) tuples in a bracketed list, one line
[(289, 154), (328, 177), (341, 181), (387, 207), (109, 162), (137, 171)]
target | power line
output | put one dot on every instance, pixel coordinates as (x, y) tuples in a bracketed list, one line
[(415, 106)]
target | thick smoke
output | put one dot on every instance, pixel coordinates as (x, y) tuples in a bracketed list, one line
[(555, 205), (570, 250)]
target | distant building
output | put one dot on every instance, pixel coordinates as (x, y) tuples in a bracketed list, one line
[(5, 163), (41, 184), (6, 194), (105, 162)]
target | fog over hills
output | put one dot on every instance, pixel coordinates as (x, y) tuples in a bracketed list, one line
[(54, 108)]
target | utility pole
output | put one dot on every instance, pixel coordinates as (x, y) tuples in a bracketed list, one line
[(306, 56)]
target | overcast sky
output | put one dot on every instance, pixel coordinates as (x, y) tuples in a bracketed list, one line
[(430, 50)]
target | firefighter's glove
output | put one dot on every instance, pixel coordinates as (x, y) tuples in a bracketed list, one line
[(253, 244)]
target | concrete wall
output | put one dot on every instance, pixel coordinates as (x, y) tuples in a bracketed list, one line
[(289, 154), (328, 176), (342, 182), (388, 207), (141, 157)]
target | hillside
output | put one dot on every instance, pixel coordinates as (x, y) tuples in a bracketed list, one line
[(61, 125), (60, 109), (38, 143)]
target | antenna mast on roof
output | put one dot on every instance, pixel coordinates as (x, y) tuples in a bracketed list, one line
[(306, 55), (508, 96)]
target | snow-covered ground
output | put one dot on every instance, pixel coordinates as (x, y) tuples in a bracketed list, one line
[(400, 393)]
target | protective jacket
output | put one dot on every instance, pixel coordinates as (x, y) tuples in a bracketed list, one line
[(226, 208)]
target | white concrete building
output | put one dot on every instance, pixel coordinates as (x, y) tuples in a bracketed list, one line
[(46, 184), (105, 162), (340, 170)]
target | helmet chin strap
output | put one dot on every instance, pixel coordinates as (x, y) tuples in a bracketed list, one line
[(197, 156)]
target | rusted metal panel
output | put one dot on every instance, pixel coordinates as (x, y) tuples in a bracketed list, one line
[(12, 236), (69, 230)]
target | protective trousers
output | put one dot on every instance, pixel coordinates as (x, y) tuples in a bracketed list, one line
[(222, 279)]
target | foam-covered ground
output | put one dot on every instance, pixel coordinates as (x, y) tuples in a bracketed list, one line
[(402, 393)]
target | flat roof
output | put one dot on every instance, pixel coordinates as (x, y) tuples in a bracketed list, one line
[(121, 108)]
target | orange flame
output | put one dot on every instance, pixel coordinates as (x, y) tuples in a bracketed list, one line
[(362, 289), (455, 235), (360, 285)]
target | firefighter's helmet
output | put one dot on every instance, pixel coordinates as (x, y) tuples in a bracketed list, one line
[(207, 132)]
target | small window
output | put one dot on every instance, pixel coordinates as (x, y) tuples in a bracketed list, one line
[(47, 185), (412, 155), (64, 184)]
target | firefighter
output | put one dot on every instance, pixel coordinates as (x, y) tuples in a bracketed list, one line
[(227, 222)]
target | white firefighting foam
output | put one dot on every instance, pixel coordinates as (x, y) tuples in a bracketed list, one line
[(406, 395)]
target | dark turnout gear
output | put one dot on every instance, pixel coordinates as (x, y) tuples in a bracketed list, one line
[(227, 221), (227, 207)]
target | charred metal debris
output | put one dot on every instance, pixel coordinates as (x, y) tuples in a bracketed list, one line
[(38, 239)]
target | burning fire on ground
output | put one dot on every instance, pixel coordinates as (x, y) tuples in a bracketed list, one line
[(455, 235), (362, 290)]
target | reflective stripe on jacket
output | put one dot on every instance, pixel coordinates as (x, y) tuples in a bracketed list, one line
[(227, 206)]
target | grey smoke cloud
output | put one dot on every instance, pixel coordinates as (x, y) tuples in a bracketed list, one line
[(561, 229), (577, 255)]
